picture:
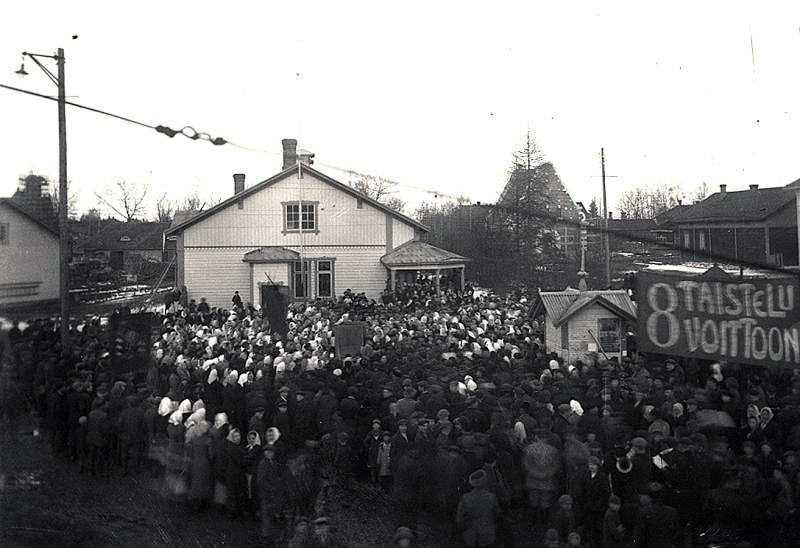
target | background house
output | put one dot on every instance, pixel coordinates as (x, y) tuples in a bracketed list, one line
[(299, 232), (126, 246), (29, 247), (757, 225)]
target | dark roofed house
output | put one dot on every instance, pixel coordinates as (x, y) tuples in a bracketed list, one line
[(757, 225), (126, 245), (557, 201)]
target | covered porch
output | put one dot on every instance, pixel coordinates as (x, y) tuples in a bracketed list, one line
[(412, 259)]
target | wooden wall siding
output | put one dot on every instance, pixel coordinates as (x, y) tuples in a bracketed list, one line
[(216, 273), (260, 222), (401, 232), (579, 337), (31, 255)]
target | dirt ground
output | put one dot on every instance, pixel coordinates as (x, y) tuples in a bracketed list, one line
[(45, 501)]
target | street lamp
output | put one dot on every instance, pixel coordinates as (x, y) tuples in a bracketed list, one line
[(63, 226)]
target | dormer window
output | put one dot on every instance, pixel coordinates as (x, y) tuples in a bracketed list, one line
[(125, 239)]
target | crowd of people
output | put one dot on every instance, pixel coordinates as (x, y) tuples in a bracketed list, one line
[(453, 408)]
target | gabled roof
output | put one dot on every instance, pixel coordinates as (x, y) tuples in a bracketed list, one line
[(416, 253), (121, 236), (25, 212), (281, 176), (562, 305), (271, 254), (742, 205)]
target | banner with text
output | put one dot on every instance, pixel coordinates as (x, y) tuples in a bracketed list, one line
[(749, 321)]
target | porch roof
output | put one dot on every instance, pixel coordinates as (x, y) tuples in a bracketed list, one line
[(271, 254), (423, 255)]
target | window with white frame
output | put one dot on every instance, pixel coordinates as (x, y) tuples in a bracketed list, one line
[(300, 270), (702, 243), (687, 240), (324, 278), (300, 215)]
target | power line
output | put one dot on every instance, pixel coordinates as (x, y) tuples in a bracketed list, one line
[(187, 131), (192, 134)]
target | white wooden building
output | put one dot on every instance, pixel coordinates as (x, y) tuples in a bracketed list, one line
[(301, 232), (579, 322), (28, 257)]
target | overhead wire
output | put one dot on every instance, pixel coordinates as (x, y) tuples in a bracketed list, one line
[(192, 134), (187, 131)]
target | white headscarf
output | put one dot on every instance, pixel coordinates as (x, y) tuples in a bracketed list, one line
[(175, 418), (220, 420), (166, 407), (242, 379), (195, 418), (212, 376), (199, 404), (185, 406), (519, 432)]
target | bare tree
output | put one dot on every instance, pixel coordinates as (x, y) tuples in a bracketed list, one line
[(701, 192), (379, 189), (645, 202), (164, 209), (126, 199), (195, 202), (72, 198)]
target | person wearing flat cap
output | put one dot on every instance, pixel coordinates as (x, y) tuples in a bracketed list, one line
[(403, 537), (477, 513), (372, 443), (323, 535)]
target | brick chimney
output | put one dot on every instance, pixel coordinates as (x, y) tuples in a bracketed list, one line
[(753, 187), (723, 189), (289, 152), (238, 182)]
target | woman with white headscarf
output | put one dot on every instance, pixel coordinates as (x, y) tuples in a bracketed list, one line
[(175, 463), (273, 439), (218, 435), (202, 477), (191, 424)]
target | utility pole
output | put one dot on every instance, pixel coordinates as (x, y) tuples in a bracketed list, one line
[(63, 224), (606, 242)]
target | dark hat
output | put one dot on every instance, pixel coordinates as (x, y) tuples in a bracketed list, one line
[(322, 520), (376, 421), (639, 442), (403, 533), (614, 499)]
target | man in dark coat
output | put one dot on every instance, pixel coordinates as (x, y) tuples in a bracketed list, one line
[(476, 516), (98, 438), (400, 445), (408, 485), (132, 435), (270, 481), (594, 501), (656, 525)]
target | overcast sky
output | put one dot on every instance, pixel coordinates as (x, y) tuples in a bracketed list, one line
[(433, 94)]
